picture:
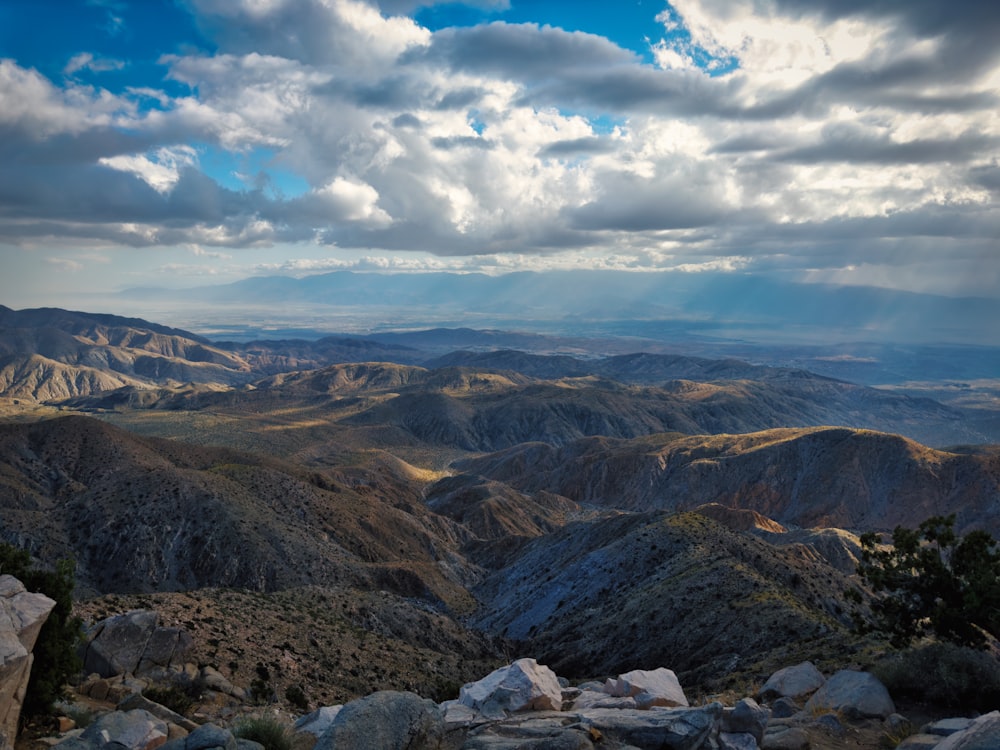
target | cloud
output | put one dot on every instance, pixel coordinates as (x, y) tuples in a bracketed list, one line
[(765, 134), (87, 61)]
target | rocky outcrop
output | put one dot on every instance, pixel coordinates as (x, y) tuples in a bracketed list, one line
[(22, 615), (658, 687), (522, 686), (134, 643), (118, 730), (386, 720), (856, 694), (793, 682)]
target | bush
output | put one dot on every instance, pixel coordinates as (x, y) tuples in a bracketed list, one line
[(176, 699), (295, 695), (932, 582), (56, 658), (268, 732), (943, 674)]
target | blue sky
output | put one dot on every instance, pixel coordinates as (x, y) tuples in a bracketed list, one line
[(183, 142)]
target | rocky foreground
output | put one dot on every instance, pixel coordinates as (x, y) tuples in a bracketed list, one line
[(521, 705)]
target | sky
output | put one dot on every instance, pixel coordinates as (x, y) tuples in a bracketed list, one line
[(183, 142)]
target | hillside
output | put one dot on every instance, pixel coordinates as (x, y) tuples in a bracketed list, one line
[(143, 515), (828, 477), (607, 596)]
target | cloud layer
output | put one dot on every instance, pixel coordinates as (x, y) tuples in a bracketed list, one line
[(847, 141)]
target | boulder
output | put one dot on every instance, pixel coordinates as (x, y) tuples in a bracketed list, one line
[(22, 615), (658, 687), (385, 720), (115, 645), (739, 741), (785, 738), (982, 734), (522, 686), (660, 728), (166, 647), (210, 736), (318, 721), (132, 730), (746, 717), (544, 730), (133, 643), (593, 699), (856, 694), (138, 700), (783, 708), (793, 682)]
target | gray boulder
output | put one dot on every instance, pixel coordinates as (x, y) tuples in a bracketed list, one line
[(746, 717), (386, 720), (131, 730), (739, 741), (982, 734), (210, 736), (657, 687), (856, 694), (540, 731), (524, 685), (134, 643), (658, 728), (318, 721), (793, 682), (22, 615)]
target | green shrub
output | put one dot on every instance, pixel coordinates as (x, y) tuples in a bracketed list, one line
[(56, 658), (933, 582), (944, 674), (295, 695), (268, 732)]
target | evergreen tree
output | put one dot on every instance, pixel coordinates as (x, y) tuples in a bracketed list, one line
[(930, 581), (56, 657)]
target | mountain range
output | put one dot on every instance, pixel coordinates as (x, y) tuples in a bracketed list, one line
[(517, 501)]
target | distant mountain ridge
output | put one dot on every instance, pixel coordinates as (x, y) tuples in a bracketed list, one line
[(718, 299), (812, 477)]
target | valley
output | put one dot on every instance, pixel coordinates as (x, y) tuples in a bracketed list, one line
[(600, 512)]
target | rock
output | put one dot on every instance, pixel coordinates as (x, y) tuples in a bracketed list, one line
[(919, 742), (318, 721), (457, 714), (166, 647), (115, 644), (386, 720), (785, 738), (134, 730), (660, 686), (137, 700), (783, 708), (738, 741), (212, 679), (593, 699), (946, 727), (746, 717), (856, 694), (133, 643), (534, 732), (22, 615), (982, 734), (524, 685), (65, 724), (208, 736), (670, 728), (793, 682), (830, 724)]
